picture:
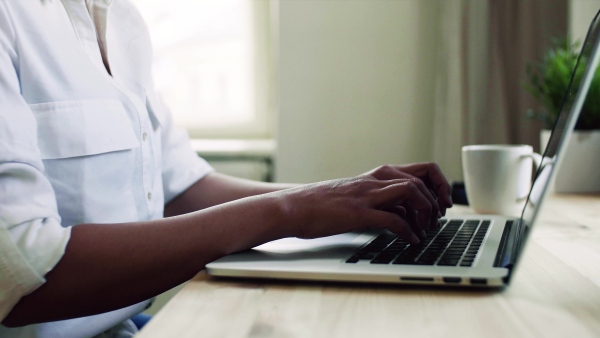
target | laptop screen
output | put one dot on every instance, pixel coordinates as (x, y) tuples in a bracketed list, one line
[(572, 105)]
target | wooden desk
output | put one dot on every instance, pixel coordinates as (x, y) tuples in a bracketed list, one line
[(555, 293)]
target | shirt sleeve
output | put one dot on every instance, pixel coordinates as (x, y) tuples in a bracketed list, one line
[(32, 239), (181, 166)]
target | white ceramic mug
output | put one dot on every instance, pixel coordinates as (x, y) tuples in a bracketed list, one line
[(498, 177)]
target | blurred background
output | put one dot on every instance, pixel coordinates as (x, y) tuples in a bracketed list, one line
[(307, 90)]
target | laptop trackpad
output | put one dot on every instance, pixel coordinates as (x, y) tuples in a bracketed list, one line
[(290, 245), (299, 250)]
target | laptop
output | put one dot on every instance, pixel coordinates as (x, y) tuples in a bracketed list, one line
[(470, 251)]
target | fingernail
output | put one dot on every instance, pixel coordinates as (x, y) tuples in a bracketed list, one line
[(423, 234)]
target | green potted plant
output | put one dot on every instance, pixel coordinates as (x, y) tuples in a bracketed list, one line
[(547, 82)]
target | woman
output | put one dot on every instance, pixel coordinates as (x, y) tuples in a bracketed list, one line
[(90, 163)]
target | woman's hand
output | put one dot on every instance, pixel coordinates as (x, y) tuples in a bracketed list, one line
[(429, 173), (403, 205)]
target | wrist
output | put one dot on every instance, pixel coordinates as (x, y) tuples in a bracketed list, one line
[(284, 214)]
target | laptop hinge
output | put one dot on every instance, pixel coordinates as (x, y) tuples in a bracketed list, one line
[(509, 244)]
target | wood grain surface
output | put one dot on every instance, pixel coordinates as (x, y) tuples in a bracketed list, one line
[(555, 293)]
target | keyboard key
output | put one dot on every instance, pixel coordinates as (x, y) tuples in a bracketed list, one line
[(352, 259), (426, 262), (385, 237), (448, 262), (405, 262), (382, 260)]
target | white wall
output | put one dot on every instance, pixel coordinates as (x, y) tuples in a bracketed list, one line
[(581, 13), (354, 81), (355, 78)]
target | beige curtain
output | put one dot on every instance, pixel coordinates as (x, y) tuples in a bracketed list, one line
[(483, 50)]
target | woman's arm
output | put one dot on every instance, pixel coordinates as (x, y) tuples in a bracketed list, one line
[(109, 266), (214, 189), (217, 188)]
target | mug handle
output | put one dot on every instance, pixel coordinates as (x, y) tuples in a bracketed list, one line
[(537, 161), (536, 191)]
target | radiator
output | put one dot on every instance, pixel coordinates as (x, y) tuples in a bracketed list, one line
[(250, 159), (252, 169)]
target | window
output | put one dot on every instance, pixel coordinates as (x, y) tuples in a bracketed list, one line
[(211, 64)]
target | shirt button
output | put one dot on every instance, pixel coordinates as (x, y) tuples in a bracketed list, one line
[(149, 196), (144, 136)]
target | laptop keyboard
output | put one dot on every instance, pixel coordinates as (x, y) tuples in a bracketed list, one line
[(456, 243)]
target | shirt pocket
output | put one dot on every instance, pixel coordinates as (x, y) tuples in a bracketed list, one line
[(90, 158), (79, 128)]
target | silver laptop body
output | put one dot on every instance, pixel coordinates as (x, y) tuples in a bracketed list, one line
[(352, 257)]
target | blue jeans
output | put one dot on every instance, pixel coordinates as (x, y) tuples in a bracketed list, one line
[(140, 320)]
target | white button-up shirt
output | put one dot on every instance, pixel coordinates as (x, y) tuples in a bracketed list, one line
[(78, 144)]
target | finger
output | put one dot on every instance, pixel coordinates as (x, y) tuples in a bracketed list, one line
[(411, 219), (432, 173), (389, 172), (407, 193), (432, 200), (396, 209), (394, 223), (431, 220), (383, 196), (385, 193)]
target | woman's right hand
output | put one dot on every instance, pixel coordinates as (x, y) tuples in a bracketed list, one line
[(403, 206)]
